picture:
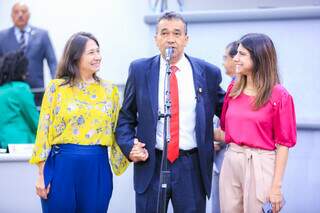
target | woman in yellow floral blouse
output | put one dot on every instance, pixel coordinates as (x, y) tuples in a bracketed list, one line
[(77, 120)]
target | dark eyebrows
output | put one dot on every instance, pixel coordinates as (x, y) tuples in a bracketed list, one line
[(244, 52), (93, 49), (166, 29)]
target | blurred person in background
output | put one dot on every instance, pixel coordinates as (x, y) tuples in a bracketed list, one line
[(77, 121), (258, 118), (19, 115), (220, 147), (33, 41), (228, 63)]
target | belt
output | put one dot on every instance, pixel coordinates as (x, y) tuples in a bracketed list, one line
[(182, 152)]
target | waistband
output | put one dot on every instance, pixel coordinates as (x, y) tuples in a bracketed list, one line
[(249, 150), (69, 149), (78, 149), (182, 152)]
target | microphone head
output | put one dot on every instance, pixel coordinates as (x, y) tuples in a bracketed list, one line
[(169, 53)]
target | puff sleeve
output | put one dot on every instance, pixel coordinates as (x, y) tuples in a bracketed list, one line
[(284, 119), (119, 162), (44, 133)]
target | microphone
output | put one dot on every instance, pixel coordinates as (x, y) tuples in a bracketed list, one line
[(169, 53)]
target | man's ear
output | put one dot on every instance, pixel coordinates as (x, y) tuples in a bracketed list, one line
[(186, 40)]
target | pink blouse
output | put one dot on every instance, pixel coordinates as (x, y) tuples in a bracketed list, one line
[(272, 124)]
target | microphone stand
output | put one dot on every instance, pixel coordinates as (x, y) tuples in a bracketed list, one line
[(164, 172)]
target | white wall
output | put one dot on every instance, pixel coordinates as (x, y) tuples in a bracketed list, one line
[(117, 25), (191, 5), (298, 54)]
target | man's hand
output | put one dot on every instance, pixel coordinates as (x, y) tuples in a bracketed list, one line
[(138, 152)]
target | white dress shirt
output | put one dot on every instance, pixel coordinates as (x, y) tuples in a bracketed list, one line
[(17, 33), (187, 104)]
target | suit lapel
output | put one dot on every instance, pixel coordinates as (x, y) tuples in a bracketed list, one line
[(200, 87), (198, 78), (32, 33), (153, 84), (13, 38)]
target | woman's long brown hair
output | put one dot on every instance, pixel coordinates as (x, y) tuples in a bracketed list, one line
[(265, 68), (68, 66)]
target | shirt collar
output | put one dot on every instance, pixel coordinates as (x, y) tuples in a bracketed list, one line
[(180, 64), (27, 29)]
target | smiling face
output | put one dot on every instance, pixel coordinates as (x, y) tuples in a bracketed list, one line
[(243, 61), (20, 15), (90, 59), (171, 33)]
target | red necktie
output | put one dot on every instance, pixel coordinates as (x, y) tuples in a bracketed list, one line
[(173, 146)]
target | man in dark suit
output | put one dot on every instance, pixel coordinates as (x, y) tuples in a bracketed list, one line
[(195, 96), (33, 41)]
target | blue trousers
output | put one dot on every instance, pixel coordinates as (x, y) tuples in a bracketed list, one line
[(80, 179), (185, 188)]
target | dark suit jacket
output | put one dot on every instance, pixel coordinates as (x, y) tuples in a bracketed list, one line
[(139, 113), (38, 48)]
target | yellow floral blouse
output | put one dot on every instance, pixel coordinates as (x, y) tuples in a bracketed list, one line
[(85, 114)]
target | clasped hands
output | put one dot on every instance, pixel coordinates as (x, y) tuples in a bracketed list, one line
[(219, 136), (138, 152)]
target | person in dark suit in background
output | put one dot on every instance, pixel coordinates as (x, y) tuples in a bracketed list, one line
[(196, 96), (33, 41)]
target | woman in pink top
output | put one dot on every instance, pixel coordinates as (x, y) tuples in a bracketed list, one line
[(258, 119)]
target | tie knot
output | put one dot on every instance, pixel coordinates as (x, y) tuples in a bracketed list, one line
[(174, 69), (22, 31)]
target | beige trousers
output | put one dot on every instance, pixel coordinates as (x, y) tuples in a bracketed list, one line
[(245, 179)]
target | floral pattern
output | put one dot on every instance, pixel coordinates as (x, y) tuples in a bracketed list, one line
[(84, 114)]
